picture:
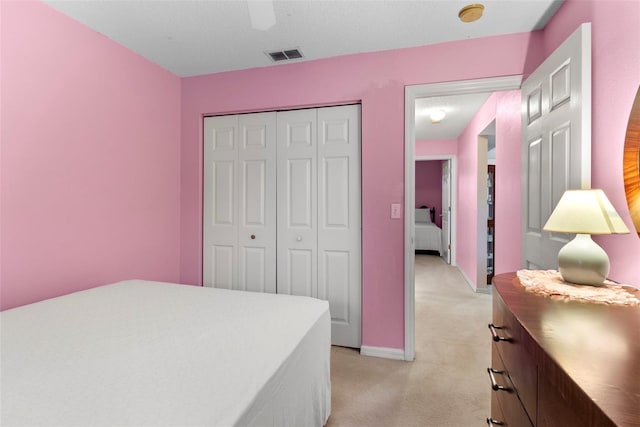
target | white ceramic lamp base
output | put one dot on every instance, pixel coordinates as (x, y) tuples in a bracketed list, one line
[(583, 262)]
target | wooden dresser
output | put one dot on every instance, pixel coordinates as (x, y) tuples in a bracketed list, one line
[(564, 364)]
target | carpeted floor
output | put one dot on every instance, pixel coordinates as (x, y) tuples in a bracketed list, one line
[(446, 385)]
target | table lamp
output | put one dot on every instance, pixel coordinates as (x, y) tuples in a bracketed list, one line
[(584, 212)]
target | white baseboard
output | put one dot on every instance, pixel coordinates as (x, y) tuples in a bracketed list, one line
[(477, 290), (486, 290), (466, 279), (385, 352)]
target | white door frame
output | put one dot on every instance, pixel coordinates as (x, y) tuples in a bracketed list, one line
[(448, 258), (411, 94)]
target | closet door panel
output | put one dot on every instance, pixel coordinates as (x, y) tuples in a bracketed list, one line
[(297, 203), (299, 193), (254, 183), (335, 284), (335, 197), (222, 263), (299, 277), (254, 267), (220, 224), (257, 202), (339, 213), (223, 192)]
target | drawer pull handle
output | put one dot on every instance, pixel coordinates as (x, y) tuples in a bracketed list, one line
[(494, 333), (494, 383), (492, 422)]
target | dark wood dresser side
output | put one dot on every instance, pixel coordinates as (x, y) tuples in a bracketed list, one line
[(562, 363)]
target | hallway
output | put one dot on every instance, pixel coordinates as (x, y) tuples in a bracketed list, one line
[(446, 385)]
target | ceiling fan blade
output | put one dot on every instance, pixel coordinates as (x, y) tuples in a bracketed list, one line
[(261, 13)]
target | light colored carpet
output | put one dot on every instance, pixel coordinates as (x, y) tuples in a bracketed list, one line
[(446, 385)]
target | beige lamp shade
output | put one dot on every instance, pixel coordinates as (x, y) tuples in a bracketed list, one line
[(585, 212)]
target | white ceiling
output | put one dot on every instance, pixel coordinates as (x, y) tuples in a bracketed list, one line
[(191, 38), (459, 110), (200, 37)]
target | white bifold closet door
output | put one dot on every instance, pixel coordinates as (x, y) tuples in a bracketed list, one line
[(239, 242), (319, 236), (316, 240), (297, 203)]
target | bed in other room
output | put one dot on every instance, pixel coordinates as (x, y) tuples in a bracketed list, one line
[(428, 234), (139, 353)]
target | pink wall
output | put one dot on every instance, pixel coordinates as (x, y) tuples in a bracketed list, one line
[(435, 147), (467, 212), (429, 186), (615, 77), (378, 81), (90, 159), (508, 239)]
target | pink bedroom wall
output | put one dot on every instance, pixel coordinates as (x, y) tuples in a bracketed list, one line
[(90, 159), (615, 80), (467, 213), (378, 81), (429, 186), (508, 239), (435, 147)]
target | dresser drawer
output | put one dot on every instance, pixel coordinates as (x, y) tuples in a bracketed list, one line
[(512, 348), (506, 407)]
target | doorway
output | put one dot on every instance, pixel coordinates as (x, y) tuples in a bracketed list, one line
[(412, 93), (486, 207), (437, 192)]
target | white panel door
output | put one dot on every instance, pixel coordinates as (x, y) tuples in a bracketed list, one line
[(239, 241), (446, 211), (556, 142), (257, 202), (297, 232), (339, 271), (220, 223)]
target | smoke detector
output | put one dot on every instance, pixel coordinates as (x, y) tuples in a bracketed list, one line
[(471, 13)]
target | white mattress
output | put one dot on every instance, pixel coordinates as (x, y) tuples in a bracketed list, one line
[(428, 237), (147, 353)]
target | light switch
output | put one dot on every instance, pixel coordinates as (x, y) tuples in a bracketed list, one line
[(395, 210)]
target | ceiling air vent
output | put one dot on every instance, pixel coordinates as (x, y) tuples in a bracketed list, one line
[(285, 55)]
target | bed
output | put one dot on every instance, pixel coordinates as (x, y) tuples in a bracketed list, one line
[(139, 353), (428, 234)]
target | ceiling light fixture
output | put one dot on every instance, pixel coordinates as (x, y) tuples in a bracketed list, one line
[(437, 116), (471, 13)]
